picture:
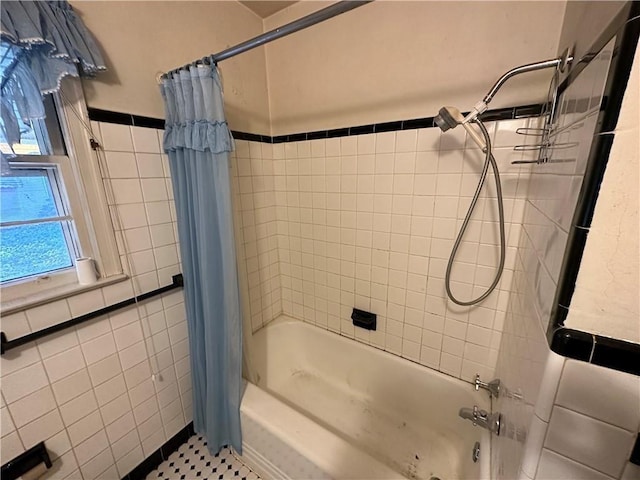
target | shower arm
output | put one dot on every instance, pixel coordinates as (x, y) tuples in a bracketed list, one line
[(531, 67), (561, 63)]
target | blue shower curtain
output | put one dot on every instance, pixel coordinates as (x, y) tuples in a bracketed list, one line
[(198, 142)]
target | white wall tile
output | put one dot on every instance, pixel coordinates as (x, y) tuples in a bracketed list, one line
[(104, 370), (130, 215), (6, 423), (23, 382), (162, 235), (120, 427), (98, 464), (32, 406), (117, 292), (631, 471), (582, 439), (15, 325), (126, 190), (111, 472), (10, 447), (64, 467), (43, 427), (620, 405), (92, 446), (98, 348), (130, 460), (126, 444), (121, 165), (154, 189), (85, 428), (71, 386), (78, 408), (115, 409), (145, 410), (116, 137), (145, 140), (533, 446), (128, 335), (557, 467), (64, 364), (58, 445), (109, 390), (158, 212), (50, 314), (132, 355), (549, 386)]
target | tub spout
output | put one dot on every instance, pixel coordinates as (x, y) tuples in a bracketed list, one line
[(490, 421)]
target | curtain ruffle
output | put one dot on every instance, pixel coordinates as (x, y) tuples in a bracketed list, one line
[(194, 113), (199, 135), (47, 41)]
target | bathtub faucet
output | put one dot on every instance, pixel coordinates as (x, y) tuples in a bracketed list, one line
[(490, 421)]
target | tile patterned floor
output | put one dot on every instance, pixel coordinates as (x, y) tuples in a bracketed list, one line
[(193, 461)]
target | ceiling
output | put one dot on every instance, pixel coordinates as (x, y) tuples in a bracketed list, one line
[(264, 8)]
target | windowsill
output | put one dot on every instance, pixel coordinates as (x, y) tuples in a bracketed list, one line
[(57, 293)]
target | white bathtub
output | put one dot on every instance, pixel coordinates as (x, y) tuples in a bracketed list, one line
[(354, 411)]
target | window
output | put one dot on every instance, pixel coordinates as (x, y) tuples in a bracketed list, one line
[(36, 230), (52, 205)]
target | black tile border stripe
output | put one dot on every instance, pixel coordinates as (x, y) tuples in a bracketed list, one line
[(510, 113), (161, 454), (597, 350), (107, 116)]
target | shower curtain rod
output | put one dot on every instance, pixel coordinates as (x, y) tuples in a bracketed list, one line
[(300, 24)]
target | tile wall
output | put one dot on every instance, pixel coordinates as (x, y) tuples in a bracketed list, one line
[(368, 221), (593, 420), (562, 420), (254, 202), (106, 394)]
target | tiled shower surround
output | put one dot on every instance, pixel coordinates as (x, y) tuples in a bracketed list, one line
[(568, 419), (88, 391), (368, 221)]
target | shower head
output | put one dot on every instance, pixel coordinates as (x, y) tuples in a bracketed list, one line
[(451, 117), (447, 118)]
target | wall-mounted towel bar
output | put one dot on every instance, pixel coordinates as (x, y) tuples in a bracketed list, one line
[(9, 344), (26, 461)]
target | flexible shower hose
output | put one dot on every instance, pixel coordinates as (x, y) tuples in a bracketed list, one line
[(489, 159)]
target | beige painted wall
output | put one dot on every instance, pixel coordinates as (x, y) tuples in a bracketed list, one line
[(140, 39), (605, 300), (393, 60)]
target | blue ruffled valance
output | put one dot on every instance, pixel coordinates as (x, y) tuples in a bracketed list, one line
[(42, 42), (194, 111)]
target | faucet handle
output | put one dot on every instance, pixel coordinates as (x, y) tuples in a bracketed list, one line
[(479, 414), (476, 414), (493, 387)]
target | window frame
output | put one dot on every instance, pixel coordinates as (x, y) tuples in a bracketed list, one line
[(82, 183)]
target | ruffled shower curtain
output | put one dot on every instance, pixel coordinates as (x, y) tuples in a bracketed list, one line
[(198, 142)]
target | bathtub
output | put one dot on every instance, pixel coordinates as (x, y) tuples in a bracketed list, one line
[(341, 409)]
